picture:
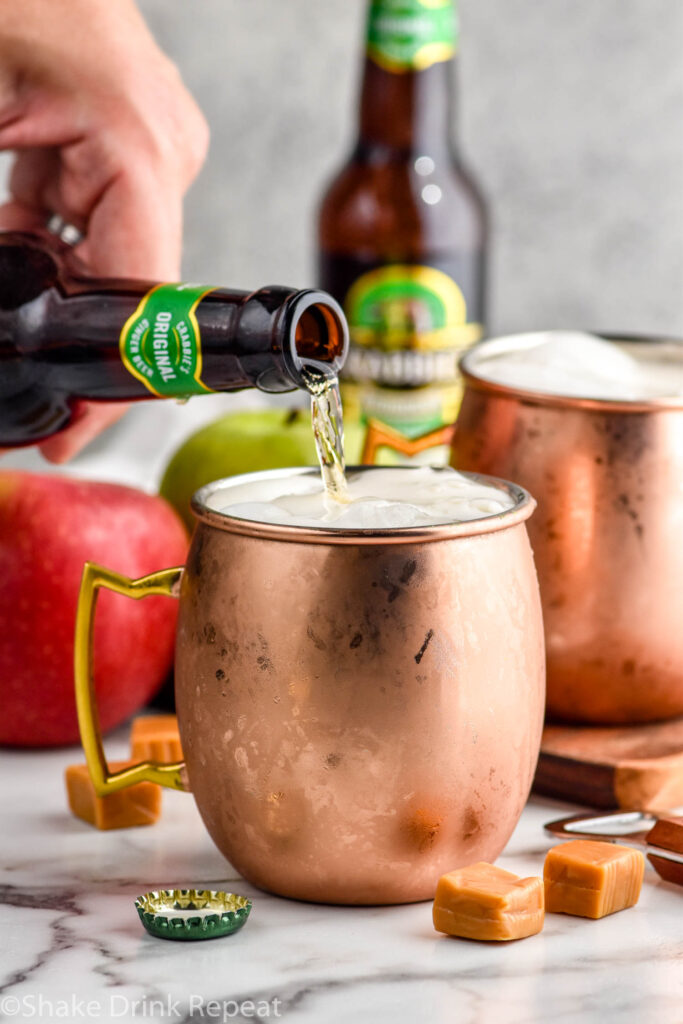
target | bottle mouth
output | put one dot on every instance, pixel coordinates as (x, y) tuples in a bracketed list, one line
[(318, 334)]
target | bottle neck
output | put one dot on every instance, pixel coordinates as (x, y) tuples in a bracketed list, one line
[(66, 336), (407, 91), (173, 341), (410, 112)]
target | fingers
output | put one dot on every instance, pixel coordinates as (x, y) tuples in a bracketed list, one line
[(132, 217), (135, 230), (15, 217), (91, 419), (37, 183), (29, 176), (35, 186), (131, 214)]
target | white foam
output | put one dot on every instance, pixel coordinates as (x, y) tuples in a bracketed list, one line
[(585, 366), (380, 499)]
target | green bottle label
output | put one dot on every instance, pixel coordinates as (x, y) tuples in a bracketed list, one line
[(408, 307), (409, 325), (160, 343), (409, 35)]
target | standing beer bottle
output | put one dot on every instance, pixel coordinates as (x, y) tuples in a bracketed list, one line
[(65, 337), (402, 228)]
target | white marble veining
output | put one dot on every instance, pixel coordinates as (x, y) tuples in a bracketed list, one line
[(72, 947)]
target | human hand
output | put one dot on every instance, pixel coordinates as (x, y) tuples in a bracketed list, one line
[(106, 136)]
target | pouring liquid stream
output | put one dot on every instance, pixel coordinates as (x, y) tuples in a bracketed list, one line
[(328, 431)]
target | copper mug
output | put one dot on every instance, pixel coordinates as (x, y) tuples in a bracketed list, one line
[(360, 711), (607, 537)]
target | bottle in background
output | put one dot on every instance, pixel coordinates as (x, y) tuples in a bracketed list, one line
[(65, 337), (402, 228)]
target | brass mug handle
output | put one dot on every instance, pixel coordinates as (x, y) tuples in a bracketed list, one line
[(379, 435), (166, 582)]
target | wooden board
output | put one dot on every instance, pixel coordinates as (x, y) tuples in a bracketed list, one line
[(638, 767)]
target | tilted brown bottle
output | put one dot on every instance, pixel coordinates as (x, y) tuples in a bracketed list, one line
[(65, 336), (402, 228)]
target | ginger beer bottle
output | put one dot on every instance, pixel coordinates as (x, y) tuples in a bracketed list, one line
[(402, 230), (66, 337)]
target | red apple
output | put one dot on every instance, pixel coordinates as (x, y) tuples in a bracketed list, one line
[(50, 526)]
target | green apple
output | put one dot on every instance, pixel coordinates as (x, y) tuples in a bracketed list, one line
[(244, 442)]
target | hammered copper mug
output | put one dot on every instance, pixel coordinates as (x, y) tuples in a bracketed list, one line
[(607, 537), (360, 711)]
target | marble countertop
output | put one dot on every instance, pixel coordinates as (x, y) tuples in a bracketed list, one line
[(72, 947)]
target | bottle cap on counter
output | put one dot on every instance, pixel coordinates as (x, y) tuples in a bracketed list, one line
[(187, 914)]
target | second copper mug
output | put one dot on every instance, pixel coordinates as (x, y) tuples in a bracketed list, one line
[(360, 711), (607, 536)]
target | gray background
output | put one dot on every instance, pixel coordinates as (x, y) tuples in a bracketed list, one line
[(570, 115)]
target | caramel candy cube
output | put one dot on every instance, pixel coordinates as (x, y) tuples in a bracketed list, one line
[(155, 738), (667, 833), (590, 878), (137, 805), (485, 902)]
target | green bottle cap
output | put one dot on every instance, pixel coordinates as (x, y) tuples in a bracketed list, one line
[(188, 914)]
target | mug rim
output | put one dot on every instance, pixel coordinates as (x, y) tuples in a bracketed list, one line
[(523, 507), (511, 342)]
